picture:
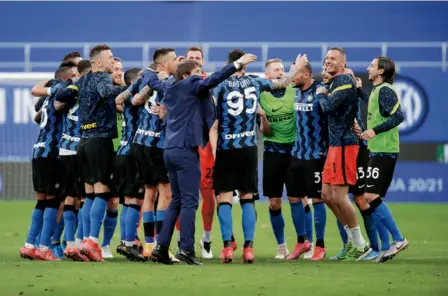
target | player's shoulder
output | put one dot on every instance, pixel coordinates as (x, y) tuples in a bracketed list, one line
[(344, 79), (100, 76), (388, 91)]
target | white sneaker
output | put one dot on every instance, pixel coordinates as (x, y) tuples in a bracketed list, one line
[(282, 252), (394, 249), (310, 253), (106, 252), (205, 254)]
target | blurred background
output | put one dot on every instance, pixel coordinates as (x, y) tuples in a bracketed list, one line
[(36, 35)]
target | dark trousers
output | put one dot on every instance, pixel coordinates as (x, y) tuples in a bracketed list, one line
[(185, 175)]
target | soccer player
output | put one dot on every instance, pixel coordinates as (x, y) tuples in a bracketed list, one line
[(278, 106), (307, 163), (384, 116), (74, 188), (126, 174), (97, 117), (110, 220), (148, 149), (47, 169), (207, 163), (340, 166), (236, 156)]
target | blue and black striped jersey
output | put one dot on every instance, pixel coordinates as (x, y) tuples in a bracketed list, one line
[(149, 128), (47, 144), (236, 103), (129, 127), (312, 125), (71, 132)]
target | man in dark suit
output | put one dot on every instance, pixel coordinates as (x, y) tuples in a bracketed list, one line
[(190, 115)]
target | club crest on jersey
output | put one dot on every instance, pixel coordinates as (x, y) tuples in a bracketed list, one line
[(310, 98)]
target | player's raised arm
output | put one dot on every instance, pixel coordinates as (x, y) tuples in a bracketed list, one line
[(219, 76), (283, 82)]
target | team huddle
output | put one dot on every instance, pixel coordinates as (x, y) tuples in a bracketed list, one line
[(315, 146)]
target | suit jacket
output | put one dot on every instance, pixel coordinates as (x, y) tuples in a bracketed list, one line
[(190, 110)]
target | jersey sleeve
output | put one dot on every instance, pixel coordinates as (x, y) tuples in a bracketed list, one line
[(344, 85), (105, 87), (390, 108), (216, 92), (134, 87)]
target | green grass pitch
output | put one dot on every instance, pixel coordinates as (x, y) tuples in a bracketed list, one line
[(420, 270)]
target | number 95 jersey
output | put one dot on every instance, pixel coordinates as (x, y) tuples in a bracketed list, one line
[(236, 103)]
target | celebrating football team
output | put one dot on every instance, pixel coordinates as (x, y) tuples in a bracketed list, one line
[(185, 133)]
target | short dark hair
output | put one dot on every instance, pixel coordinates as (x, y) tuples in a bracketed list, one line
[(185, 67), (98, 49), (71, 56), (63, 69), (234, 55), (271, 61), (116, 59), (388, 66), (130, 75), (195, 48), (84, 67), (159, 52)]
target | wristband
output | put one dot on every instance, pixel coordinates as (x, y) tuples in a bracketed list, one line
[(49, 91)]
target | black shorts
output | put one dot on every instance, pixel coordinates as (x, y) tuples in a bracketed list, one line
[(72, 184), (305, 178), (96, 158), (150, 164), (125, 177), (380, 172), (236, 169), (362, 161), (48, 174), (275, 173)]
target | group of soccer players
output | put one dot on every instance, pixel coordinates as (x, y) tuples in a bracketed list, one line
[(315, 145)]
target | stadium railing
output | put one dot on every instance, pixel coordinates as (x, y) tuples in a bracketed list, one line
[(27, 64)]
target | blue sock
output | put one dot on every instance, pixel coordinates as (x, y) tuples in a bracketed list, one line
[(382, 232), (160, 216), (343, 233), (79, 228), (58, 231), (148, 226), (225, 221), (36, 222), (87, 208), (298, 218), (50, 216), (132, 216), (278, 225), (369, 224), (309, 223), (70, 222), (97, 214), (320, 222), (383, 212), (110, 223), (248, 220), (124, 209)]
